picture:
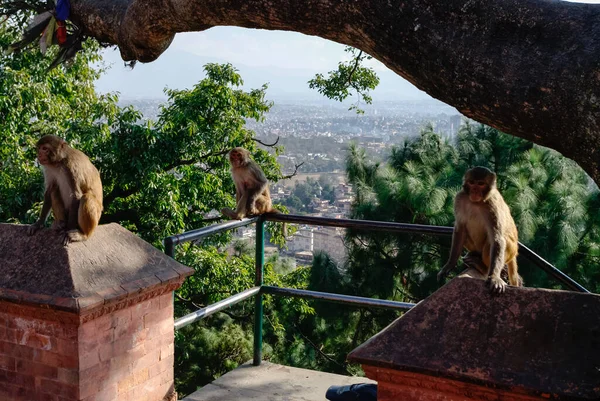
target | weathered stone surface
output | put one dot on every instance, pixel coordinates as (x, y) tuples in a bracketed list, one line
[(532, 341), (112, 264)]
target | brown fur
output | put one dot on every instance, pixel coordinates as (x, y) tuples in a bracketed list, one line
[(73, 190), (485, 227), (252, 193)]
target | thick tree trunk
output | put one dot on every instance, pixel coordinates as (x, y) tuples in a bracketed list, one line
[(529, 68)]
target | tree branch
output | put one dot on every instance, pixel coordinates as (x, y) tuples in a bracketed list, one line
[(194, 161), (266, 144), (356, 64), (526, 67), (296, 167)]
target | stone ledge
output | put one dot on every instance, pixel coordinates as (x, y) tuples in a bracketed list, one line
[(111, 270), (536, 340)]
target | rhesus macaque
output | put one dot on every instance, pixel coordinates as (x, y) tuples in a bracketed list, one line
[(486, 229), (73, 190), (252, 194)]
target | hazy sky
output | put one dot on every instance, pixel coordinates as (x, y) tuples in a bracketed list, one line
[(287, 60)]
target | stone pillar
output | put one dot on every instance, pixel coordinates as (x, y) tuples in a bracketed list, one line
[(89, 321), (464, 344)]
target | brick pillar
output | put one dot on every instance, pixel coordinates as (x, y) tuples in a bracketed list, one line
[(90, 321), (465, 344)]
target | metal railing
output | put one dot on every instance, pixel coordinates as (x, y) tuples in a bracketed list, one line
[(259, 289)]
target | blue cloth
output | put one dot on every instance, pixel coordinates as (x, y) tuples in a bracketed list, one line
[(63, 10), (354, 392)]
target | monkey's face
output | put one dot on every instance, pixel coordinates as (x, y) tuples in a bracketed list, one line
[(50, 150), (237, 158), (476, 189), (46, 155)]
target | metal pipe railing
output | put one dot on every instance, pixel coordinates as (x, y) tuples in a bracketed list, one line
[(259, 289), (338, 298), (373, 225), (216, 307), (259, 263), (200, 233)]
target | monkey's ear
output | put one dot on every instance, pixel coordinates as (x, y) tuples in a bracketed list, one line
[(492, 178)]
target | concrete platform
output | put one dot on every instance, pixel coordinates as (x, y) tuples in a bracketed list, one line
[(271, 382)]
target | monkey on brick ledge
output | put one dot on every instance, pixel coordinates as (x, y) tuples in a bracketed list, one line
[(73, 190), (485, 227)]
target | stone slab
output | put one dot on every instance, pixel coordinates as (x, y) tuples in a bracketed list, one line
[(111, 265), (272, 382), (535, 341)]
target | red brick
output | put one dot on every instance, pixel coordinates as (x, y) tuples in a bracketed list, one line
[(3, 316), (166, 301), (139, 337), (36, 369), (18, 351), (155, 370), (158, 316), (122, 364), (68, 376), (166, 376), (96, 372), (102, 323), (60, 389), (16, 393), (150, 385), (136, 324), (7, 363), (54, 359), (159, 329), (45, 397), (146, 306), (121, 317), (89, 358), (125, 384), (116, 348), (166, 351), (65, 347), (165, 390), (108, 393), (149, 359), (17, 379), (8, 335)]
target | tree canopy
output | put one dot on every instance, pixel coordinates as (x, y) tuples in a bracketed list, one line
[(526, 67)]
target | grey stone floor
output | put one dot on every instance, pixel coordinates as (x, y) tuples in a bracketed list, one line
[(271, 382)]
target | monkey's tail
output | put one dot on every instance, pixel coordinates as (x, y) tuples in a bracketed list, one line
[(90, 210), (283, 224)]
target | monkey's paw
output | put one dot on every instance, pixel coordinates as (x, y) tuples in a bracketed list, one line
[(73, 236), (496, 284), (35, 227)]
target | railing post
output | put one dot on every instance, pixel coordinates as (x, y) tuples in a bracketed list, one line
[(258, 281)]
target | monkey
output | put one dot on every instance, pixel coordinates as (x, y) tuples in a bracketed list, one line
[(485, 227), (73, 190), (252, 193)]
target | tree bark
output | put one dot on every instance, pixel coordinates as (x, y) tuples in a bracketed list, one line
[(527, 67)]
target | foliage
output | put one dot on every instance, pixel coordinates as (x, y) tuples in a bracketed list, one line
[(350, 76), (160, 177), (303, 193), (552, 201)]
